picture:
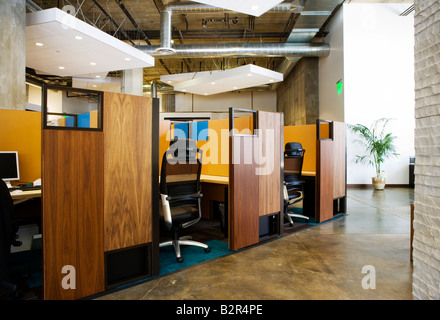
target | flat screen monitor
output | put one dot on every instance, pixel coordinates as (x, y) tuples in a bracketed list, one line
[(9, 169)]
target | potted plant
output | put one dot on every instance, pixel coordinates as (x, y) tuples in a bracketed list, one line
[(378, 145)]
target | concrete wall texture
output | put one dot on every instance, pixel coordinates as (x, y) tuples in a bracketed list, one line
[(13, 54), (426, 243)]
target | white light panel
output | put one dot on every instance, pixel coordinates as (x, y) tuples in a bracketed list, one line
[(207, 83), (250, 7), (58, 43)]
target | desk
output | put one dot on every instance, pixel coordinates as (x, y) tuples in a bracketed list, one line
[(308, 173), (25, 195), (214, 179)]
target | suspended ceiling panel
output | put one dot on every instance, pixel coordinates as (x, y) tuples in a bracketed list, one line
[(57, 43), (207, 83)]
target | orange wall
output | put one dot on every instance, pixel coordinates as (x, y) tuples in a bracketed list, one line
[(21, 131), (306, 135)]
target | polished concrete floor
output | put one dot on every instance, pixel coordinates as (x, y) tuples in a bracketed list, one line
[(323, 262)]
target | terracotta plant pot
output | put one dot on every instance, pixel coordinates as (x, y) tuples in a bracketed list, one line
[(378, 183)]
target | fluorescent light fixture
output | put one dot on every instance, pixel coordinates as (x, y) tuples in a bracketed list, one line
[(250, 7), (227, 80), (73, 43)]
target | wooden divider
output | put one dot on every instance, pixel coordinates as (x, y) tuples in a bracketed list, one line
[(72, 212), (254, 179), (98, 190), (127, 170), (339, 160)]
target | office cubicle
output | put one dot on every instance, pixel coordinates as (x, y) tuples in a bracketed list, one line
[(98, 195)]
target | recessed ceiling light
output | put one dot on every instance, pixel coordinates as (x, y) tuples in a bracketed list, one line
[(212, 82), (78, 37), (255, 7), (249, 74), (98, 76), (94, 86), (184, 90), (169, 81), (93, 63), (39, 44), (61, 68), (127, 59), (205, 94), (271, 80)]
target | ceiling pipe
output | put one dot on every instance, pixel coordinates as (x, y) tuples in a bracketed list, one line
[(166, 14), (32, 6), (240, 49)]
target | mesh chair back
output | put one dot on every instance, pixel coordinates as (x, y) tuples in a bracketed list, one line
[(293, 161), (181, 168)]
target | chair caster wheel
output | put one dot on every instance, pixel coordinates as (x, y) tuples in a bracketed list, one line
[(179, 259), (207, 250)]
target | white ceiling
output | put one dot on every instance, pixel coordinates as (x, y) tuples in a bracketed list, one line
[(213, 82), (109, 84), (71, 47)]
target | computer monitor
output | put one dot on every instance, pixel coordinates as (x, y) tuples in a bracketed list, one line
[(9, 169)]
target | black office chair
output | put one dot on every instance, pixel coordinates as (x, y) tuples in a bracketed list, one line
[(180, 192), (293, 183), (8, 288)]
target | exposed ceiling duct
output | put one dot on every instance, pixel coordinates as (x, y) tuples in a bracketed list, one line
[(241, 49), (166, 14)]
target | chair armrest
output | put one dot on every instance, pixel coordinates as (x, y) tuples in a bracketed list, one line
[(185, 197)]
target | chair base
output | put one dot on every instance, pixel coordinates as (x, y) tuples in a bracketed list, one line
[(186, 242), (289, 217)]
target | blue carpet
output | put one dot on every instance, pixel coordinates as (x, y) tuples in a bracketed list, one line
[(191, 255), (311, 220), (33, 261)]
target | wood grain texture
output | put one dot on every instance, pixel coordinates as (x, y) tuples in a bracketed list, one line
[(324, 181), (72, 211), (269, 162), (127, 171), (339, 156), (243, 194)]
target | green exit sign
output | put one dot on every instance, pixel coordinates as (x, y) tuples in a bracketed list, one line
[(339, 87)]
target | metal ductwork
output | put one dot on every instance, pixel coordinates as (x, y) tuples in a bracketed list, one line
[(32, 6), (240, 49), (165, 47)]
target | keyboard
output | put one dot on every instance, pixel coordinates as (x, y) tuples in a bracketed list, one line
[(25, 188)]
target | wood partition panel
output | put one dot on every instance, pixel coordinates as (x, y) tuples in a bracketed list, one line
[(339, 160), (72, 214), (243, 194), (271, 149), (254, 179), (127, 170), (324, 181)]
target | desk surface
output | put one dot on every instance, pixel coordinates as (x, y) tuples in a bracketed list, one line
[(308, 173), (214, 179), (26, 195)]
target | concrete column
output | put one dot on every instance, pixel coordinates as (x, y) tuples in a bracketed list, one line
[(132, 81), (13, 54)]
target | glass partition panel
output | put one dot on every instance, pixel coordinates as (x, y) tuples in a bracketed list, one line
[(71, 108)]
